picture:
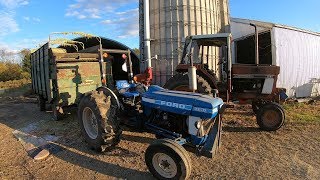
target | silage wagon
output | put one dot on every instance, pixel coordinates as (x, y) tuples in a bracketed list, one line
[(62, 73)]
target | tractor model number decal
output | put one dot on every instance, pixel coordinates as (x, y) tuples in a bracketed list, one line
[(174, 105), (205, 110)]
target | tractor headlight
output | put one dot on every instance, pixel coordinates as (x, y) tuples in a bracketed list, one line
[(197, 124)]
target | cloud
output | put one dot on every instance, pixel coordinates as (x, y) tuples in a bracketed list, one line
[(7, 49), (127, 23), (94, 9), (128, 12), (115, 15), (7, 16), (12, 50), (12, 4), (8, 23), (26, 18), (15, 47), (34, 19)]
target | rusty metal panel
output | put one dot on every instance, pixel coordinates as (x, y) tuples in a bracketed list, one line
[(74, 79), (33, 73), (62, 80), (46, 72), (42, 75), (38, 73), (171, 21), (242, 69)]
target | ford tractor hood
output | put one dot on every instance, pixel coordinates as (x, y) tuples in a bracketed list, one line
[(184, 103)]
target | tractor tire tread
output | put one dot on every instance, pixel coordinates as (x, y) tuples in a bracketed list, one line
[(270, 105), (109, 125), (176, 148)]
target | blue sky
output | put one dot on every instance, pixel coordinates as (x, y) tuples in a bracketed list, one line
[(27, 23)]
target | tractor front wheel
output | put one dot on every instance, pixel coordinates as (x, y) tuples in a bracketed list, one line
[(270, 117), (98, 121), (166, 159)]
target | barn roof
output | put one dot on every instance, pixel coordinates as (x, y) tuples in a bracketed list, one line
[(269, 25)]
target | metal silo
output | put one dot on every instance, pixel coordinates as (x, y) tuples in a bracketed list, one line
[(171, 21)]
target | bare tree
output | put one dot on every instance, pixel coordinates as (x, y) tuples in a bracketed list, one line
[(6, 56)]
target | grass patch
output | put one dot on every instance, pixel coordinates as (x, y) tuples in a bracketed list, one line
[(14, 83), (303, 112), (15, 88)]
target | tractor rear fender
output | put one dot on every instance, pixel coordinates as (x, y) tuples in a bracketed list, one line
[(202, 71), (107, 92)]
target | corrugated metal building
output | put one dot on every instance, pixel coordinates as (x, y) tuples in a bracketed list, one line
[(296, 51), (171, 21)]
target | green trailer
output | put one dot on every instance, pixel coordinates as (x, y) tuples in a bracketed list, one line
[(60, 77)]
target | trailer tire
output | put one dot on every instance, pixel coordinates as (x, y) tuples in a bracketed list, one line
[(98, 121), (166, 159), (180, 82), (41, 103), (270, 117)]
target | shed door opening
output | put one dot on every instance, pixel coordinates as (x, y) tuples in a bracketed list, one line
[(245, 49)]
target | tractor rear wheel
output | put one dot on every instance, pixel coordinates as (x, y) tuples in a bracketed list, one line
[(180, 82), (270, 117), (98, 121), (166, 159)]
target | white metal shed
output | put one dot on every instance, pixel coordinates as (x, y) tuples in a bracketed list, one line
[(296, 51)]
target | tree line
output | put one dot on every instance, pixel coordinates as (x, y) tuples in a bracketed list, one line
[(15, 66)]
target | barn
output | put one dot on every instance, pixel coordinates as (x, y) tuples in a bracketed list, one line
[(295, 50)]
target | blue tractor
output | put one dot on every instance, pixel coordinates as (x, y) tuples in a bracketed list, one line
[(177, 118)]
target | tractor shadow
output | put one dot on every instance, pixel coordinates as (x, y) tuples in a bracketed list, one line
[(75, 150), (138, 139), (243, 113), (73, 139), (70, 147), (241, 129), (106, 168)]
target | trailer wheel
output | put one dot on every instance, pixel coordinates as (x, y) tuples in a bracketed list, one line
[(41, 103), (180, 82), (98, 121), (270, 117), (166, 159)]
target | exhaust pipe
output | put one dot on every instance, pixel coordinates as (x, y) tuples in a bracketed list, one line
[(256, 42), (192, 74)]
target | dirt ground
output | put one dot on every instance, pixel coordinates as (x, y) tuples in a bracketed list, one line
[(246, 153)]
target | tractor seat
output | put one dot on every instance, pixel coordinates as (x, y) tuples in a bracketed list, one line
[(126, 89)]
